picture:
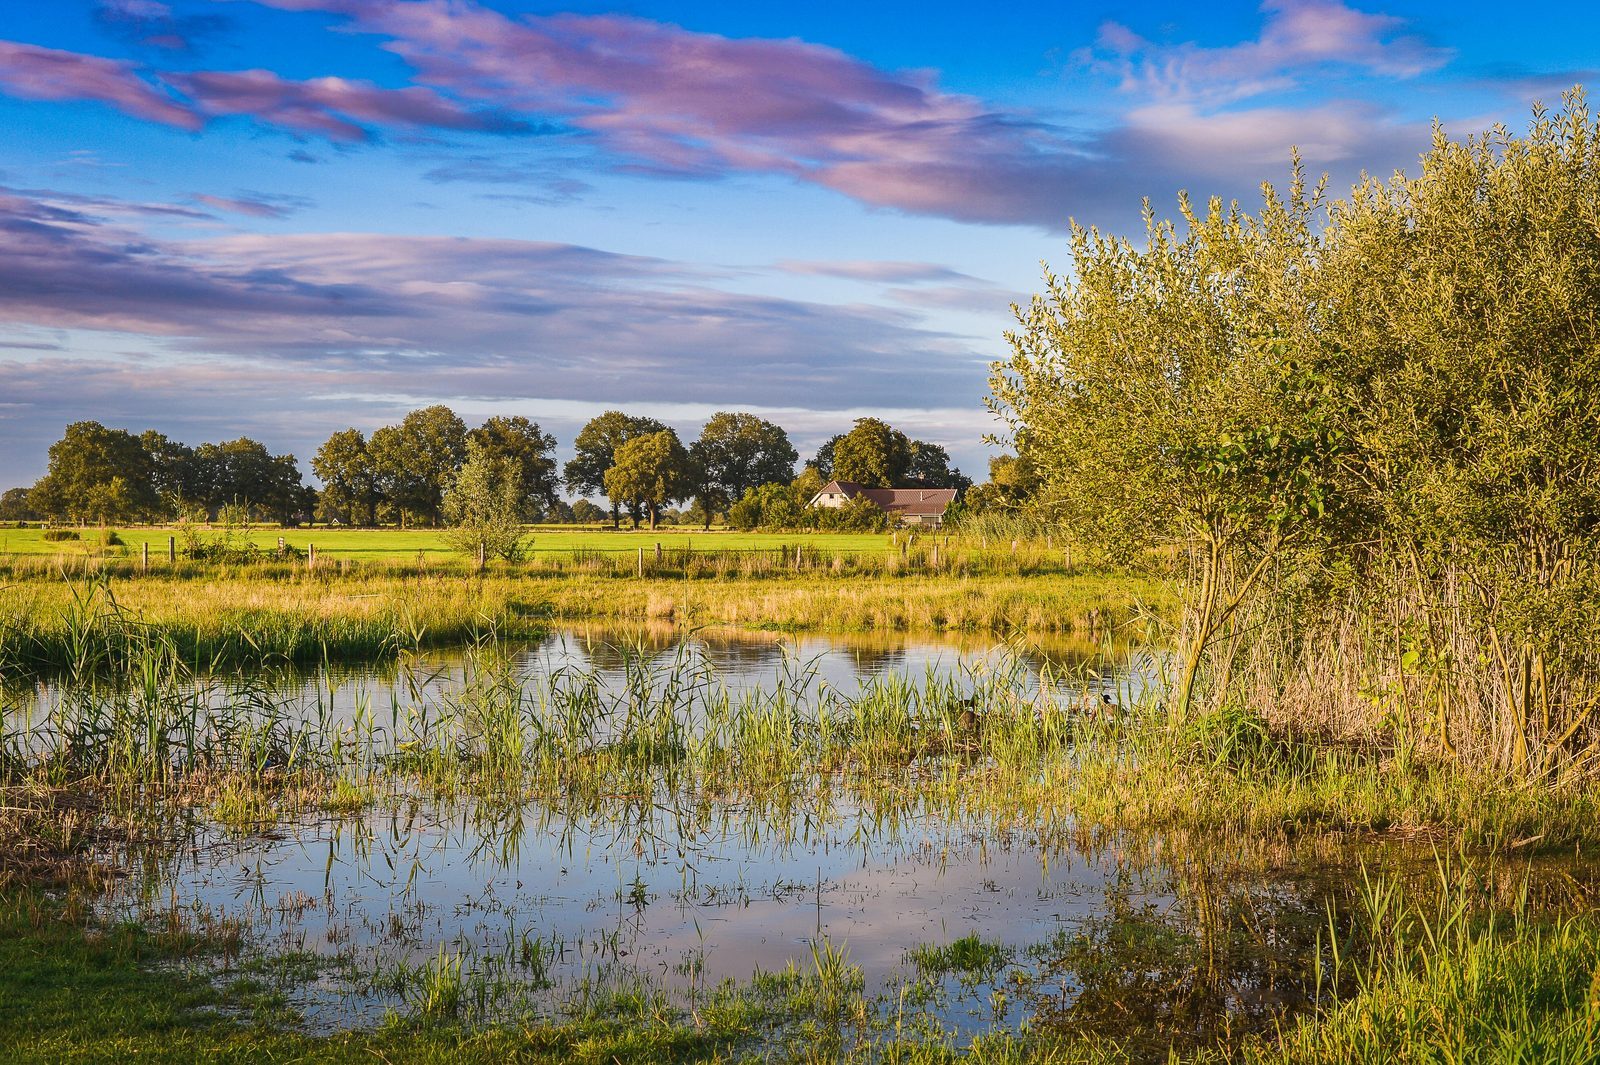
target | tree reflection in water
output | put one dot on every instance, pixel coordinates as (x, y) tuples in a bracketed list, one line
[(1222, 957)]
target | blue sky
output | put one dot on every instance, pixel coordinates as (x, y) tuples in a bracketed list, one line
[(284, 217)]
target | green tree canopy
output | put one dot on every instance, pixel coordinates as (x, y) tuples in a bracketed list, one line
[(595, 450), (96, 474), (930, 468), (415, 461), (243, 472), (768, 506), (173, 473), (484, 503), (349, 481), (649, 472), (15, 505), (874, 454), (737, 452), (1012, 485), (520, 441), (822, 462), (1394, 397)]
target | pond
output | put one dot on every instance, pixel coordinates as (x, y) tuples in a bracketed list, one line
[(651, 816), (973, 926)]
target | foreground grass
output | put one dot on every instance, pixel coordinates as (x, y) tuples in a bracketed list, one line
[(1446, 984), (1229, 772), (75, 993)]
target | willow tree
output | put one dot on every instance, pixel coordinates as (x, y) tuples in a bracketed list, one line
[(1467, 301), (1402, 385), (1171, 395)]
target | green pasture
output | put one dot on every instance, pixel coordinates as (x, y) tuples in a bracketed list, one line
[(379, 544)]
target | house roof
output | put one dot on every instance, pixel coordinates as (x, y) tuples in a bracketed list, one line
[(896, 500)]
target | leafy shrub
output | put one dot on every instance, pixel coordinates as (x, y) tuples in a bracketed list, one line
[(61, 534), (109, 538)]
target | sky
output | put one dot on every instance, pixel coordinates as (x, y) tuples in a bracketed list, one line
[(281, 218)]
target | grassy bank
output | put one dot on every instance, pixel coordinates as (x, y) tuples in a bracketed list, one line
[(50, 622)]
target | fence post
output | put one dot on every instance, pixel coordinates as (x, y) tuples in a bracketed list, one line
[(797, 558), (311, 556), (658, 550), (280, 547), (172, 550), (481, 559), (641, 562), (936, 554), (144, 558)]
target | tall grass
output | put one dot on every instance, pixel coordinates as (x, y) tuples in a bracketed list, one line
[(1443, 975), (51, 623)]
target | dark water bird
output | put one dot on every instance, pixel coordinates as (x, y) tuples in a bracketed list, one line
[(969, 718), (1099, 704)]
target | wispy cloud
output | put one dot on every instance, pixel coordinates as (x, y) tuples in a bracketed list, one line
[(337, 108), (887, 271), (636, 96), (35, 73), (668, 101), (465, 314), (255, 204), (153, 24), (1298, 39)]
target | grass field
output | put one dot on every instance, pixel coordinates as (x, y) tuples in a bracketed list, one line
[(404, 544)]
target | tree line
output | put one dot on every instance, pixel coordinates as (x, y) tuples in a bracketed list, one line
[(430, 469)]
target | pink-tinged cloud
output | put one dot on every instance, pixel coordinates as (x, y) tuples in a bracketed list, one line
[(458, 314), (1298, 38), (333, 107), (662, 99), (153, 24), (260, 205), (36, 73)]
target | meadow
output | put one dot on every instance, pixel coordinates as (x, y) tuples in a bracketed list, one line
[(404, 545), (376, 593)]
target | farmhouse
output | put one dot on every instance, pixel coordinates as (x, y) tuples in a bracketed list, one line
[(912, 506)]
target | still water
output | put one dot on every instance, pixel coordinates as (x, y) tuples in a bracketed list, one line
[(543, 903)]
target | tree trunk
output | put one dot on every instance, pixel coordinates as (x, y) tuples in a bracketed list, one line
[(1205, 610)]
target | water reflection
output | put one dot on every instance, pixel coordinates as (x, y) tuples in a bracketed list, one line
[(741, 661), (681, 900)]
